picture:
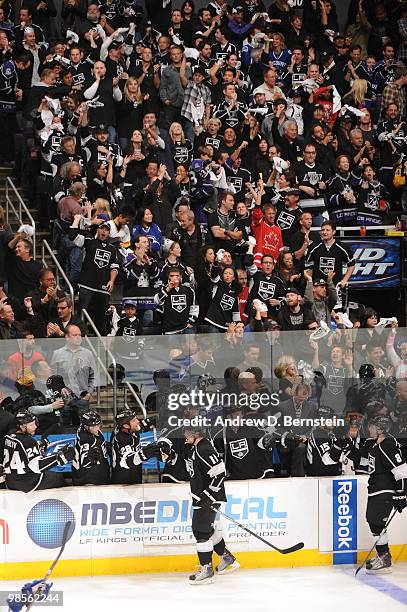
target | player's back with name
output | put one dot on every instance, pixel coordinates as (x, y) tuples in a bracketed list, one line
[(19, 450), (125, 445), (380, 461), (323, 454), (205, 468), (86, 469)]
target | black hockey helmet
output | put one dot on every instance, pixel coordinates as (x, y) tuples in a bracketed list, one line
[(55, 383), (90, 418), (381, 422), (23, 417), (125, 416), (366, 370)]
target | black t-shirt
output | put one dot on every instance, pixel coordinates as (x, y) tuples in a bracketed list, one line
[(291, 321), (227, 222), (288, 221)]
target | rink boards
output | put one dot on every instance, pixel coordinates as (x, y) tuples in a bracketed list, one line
[(147, 528)]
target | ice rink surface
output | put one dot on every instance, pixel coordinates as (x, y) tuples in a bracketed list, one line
[(324, 589)]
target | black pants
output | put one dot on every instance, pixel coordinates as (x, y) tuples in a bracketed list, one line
[(49, 480), (378, 511), (96, 304), (207, 540), (8, 127)]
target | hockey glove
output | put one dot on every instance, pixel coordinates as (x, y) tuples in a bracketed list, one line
[(43, 445), (399, 501), (270, 440), (147, 424), (93, 455), (65, 454), (165, 446), (151, 450), (29, 590), (290, 440), (205, 501)]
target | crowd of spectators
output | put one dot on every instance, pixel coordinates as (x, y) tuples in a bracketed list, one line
[(193, 165)]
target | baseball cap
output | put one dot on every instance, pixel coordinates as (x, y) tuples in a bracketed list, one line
[(320, 283), (115, 45), (292, 290), (129, 303), (105, 224), (292, 191), (101, 129), (199, 70)]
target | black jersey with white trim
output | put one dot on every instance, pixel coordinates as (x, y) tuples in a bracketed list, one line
[(22, 459), (245, 455), (384, 463), (322, 259), (207, 472), (323, 454)]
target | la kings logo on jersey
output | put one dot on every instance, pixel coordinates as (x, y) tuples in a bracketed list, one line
[(239, 448), (327, 264), (102, 258), (235, 181), (181, 154), (227, 302), (214, 142), (178, 302), (78, 78), (129, 334), (266, 290), (56, 143), (312, 177), (285, 220)]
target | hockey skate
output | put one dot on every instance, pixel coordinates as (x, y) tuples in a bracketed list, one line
[(379, 564), (227, 563), (204, 575)]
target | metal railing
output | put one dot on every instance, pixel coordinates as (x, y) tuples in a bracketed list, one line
[(59, 271), (340, 230), (128, 387), (112, 380), (19, 207)]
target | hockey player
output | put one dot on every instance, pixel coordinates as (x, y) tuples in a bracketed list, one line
[(324, 450), (127, 452), (24, 462), (177, 305), (242, 447), (90, 464), (381, 458), (207, 472)]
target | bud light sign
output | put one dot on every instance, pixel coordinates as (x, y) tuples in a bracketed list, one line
[(345, 521), (377, 262)]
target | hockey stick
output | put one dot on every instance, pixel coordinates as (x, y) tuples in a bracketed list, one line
[(283, 551), (391, 517), (61, 550)]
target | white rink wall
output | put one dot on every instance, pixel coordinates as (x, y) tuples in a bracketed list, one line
[(148, 527)]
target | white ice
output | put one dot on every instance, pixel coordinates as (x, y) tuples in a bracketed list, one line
[(316, 589)]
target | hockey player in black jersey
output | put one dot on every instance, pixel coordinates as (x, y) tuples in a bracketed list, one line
[(177, 305), (324, 450), (242, 447), (387, 487), (90, 464), (207, 472), (127, 452), (24, 463)]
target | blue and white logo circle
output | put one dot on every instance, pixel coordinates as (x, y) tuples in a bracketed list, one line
[(46, 522)]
